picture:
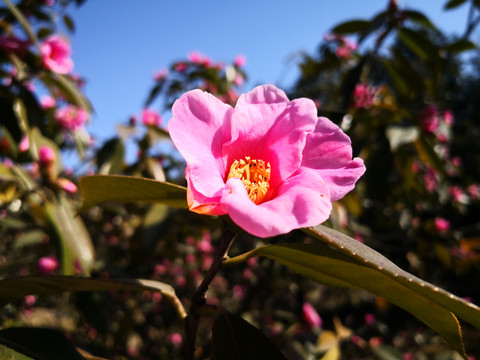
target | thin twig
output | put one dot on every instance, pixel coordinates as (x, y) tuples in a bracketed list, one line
[(198, 299)]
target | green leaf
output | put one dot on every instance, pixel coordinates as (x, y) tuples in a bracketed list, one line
[(98, 189), (22, 20), (37, 343), (452, 4), (68, 88), (352, 26), (72, 235), (460, 46), (110, 157), (7, 353), (415, 42), (67, 20), (234, 338), (419, 18), (339, 260), (18, 287)]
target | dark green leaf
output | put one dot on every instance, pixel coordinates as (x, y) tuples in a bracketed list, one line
[(154, 93), (460, 46), (67, 20), (352, 26), (419, 18), (234, 338), (98, 189), (22, 20), (39, 344), (68, 89), (453, 4), (19, 287), (415, 42), (110, 157)]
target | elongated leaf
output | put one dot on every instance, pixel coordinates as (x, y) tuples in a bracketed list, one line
[(342, 261), (22, 20), (37, 343), (10, 354), (419, 18), (19, 287), (415, 41), (352, 26), (68, 88), (460, 46), (236, 339), (452, 4), (98, 189)]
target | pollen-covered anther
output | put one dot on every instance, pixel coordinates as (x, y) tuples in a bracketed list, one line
[(255, 175)]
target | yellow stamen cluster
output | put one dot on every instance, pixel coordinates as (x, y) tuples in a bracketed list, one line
[(255, 175)]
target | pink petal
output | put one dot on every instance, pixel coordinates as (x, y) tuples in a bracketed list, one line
[(303, 200), (199, 203), (274, 133), (328, 150), (197, 130)]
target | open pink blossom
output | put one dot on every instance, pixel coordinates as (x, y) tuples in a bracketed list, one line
[(71, 117), (56, 53), (269, 163)]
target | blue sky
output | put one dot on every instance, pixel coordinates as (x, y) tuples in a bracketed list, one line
[(119, 44)]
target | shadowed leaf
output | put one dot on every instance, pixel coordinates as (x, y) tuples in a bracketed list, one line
[(235, 339)]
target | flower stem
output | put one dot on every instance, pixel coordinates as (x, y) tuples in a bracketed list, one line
[(198, 299)]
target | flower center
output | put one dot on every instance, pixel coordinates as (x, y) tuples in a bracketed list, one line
[(255, 175)]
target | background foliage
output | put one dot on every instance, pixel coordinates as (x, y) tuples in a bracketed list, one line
[(407, 95)]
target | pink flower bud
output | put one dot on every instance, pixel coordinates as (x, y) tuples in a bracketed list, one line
[(46, 155), (24, 144), (175, 339), (151, 118), (311, 316), (47, 265), (66, 185), (240, 60), (441, 224), (47, 102)]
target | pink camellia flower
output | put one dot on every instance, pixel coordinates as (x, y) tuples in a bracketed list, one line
[(269, 163), (363, 96), (56, 53), (71, 117), (311, 316), (46, 265), (46, 155), (151, 117)]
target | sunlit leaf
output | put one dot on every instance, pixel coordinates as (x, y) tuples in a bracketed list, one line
[(98, 189), (38, 343), (76, 244), (233, 338), (18, 287), (7, 353), (342, 261), (352, 26), (401, 135), (68, 88)]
